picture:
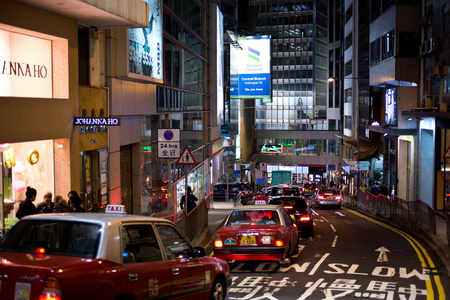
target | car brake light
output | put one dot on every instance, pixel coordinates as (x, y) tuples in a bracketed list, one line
[(338, 197), (328, 194), (288, 207), (40, 250), (218, 241), (305, 218), (295, 225), (279, 240), (320, 197), (52, 289)]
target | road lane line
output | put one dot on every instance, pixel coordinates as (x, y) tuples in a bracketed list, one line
[(419, 249), (334, 241), (319, 263), (333, 227)]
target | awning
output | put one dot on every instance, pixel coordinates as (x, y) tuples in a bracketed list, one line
[(369, 154)]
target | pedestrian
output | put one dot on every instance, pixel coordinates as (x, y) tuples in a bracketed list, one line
[(60, 205), (384, 189), (375, 189), (27, 206), (191, 200), (47, 205), (75, 202)]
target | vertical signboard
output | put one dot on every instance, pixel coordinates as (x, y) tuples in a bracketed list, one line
[(145, 46), (220, 66), (250, 68)]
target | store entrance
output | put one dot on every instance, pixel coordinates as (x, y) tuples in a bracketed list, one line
[(90, 180)]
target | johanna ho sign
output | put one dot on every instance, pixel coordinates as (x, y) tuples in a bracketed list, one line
[(85, 121)]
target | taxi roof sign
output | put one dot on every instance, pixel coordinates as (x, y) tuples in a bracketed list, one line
[(115, 209)]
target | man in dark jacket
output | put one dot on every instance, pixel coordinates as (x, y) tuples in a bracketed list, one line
[(375, 189), (384, 189), (47, 205), (191, 200)]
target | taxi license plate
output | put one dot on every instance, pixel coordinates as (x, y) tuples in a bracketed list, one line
[(248, 240), (258, 202), (329, 198)]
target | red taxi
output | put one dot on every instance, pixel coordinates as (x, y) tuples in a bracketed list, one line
[(257, 232), (105, 256)]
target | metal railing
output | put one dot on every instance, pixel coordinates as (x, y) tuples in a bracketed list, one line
[(412, 214), (194, 222)]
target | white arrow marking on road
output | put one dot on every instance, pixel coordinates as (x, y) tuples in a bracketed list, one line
[(340, 214), (382, 257)]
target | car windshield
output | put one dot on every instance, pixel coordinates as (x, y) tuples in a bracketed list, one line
[(247, 217), (53, 237)]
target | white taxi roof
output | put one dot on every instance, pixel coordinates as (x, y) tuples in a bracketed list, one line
[(257, 207), (99, 218)]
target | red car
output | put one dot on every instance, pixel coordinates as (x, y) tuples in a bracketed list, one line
[(257, 232), (105, 256)]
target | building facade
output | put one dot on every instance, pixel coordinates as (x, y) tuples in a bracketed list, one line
[(44, 89)]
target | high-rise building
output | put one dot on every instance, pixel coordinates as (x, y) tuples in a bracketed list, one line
[(297, 120)]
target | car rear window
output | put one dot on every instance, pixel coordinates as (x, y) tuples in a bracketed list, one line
[(247, 217), (56, 237), (285, 191), (329, 192), (296, 202)]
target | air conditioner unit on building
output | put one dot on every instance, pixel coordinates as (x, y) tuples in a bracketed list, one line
[(441, 70), (434, 44)]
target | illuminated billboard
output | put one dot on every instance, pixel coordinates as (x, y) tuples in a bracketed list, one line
[(391, 107), (33, 64), (220, 64), (145, 45), (250, 68)]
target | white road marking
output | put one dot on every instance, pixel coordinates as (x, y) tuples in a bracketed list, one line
[(333, 228), (319, 263), (334, 242), (340, 214), (382, 257)]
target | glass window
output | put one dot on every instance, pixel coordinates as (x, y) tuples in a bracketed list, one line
[(56, 237), (139, 244), (175, 245)]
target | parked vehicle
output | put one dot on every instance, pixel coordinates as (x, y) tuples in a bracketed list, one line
[(327, 198), (299, 211), (257, 232), (68, 256)]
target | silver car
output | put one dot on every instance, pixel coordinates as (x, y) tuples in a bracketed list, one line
[(327, 198)]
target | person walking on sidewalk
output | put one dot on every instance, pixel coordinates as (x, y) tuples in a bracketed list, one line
[(191, 200)]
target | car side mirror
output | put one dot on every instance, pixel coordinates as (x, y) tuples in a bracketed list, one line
[(198, 252)]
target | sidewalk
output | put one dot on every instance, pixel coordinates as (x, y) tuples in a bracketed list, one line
[(440, 241), (216, 219)]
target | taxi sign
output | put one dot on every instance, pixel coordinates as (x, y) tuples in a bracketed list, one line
[(115, 209)]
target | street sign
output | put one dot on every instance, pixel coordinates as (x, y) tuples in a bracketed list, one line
[(186, 158), (169, 143), (168, 149), (168, 135)]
